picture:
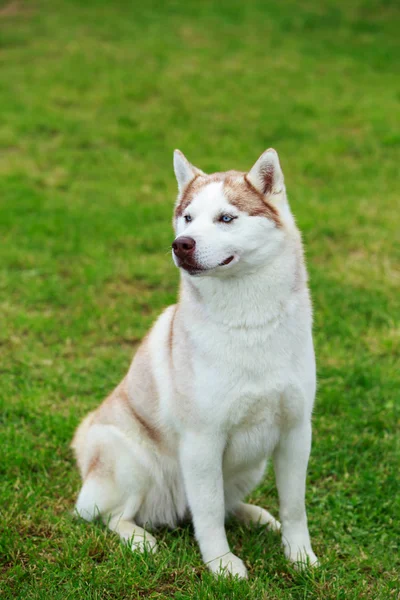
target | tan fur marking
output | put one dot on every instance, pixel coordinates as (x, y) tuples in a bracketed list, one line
[(246, 198), (171, 336), (238, 191), (151, 431), (94, 464), (187, 196), (140, 404), (195, 186)]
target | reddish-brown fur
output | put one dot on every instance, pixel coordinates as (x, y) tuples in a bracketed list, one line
[(151, 431), (238, 191), (94, 464), (171, 337)]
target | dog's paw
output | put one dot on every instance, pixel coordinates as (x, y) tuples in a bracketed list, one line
[(142, 543), (250, 514), (267, 519), (228, 565), (302, 558)]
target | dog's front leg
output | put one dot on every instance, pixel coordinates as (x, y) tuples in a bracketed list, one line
[(290, 462), (201, 461)]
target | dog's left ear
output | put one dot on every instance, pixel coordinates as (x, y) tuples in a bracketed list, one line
[(266, 175), (184, 170)]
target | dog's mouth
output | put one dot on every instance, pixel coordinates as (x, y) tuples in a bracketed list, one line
[(226, 261), (191, 267), (195, 269)]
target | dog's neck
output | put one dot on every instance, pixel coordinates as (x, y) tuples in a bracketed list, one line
[(250, 300)]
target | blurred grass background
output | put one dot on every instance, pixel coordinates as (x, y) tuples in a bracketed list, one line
[(94, 97)]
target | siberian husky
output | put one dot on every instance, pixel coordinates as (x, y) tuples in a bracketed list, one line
[(223, 381)]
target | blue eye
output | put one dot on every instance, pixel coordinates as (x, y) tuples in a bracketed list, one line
[(187, 218), (226, 218)]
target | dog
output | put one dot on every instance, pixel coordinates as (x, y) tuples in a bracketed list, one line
[(224, 380)]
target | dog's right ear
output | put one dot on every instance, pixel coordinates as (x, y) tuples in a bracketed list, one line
[(184, 170), (266, 175)]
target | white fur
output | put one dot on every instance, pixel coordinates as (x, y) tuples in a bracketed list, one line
[(236, 388)]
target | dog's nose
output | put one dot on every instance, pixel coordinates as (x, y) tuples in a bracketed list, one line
[(183, 246)]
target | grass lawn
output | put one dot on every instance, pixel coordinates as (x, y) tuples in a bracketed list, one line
[(94, 97)]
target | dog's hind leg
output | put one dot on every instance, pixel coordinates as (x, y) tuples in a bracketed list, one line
[(136, 537), (115, 485), (98, 498), (237, 487), (251, 514)]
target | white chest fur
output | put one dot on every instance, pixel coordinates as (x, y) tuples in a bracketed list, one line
[(247, 375)]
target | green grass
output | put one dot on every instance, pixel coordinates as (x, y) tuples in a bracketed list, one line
[(94, 97)]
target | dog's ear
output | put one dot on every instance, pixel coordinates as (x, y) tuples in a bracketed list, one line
[(184, 170), (266, 175)]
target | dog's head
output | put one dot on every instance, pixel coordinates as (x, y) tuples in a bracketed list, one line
[(228, 223)]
